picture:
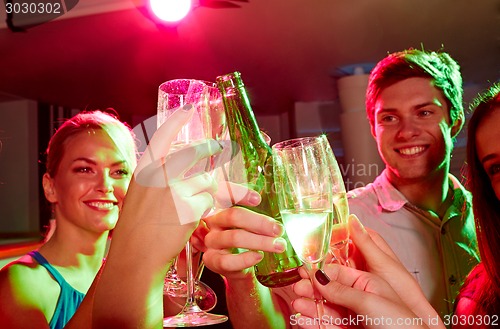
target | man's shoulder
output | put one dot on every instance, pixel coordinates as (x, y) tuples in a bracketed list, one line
[(369, 192), (363, 200)]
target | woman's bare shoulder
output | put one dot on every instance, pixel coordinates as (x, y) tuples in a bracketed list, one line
[(20, 277)]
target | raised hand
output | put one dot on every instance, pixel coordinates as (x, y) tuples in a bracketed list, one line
[(160, 211), (383, 288), (236, 237)]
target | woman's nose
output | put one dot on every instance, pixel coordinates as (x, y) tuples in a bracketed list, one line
[(105, 183)]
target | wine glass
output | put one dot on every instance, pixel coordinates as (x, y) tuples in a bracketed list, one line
[(339, 242), (175, 289), (174, 286), (173, 95), (303, 183), (205, 297)]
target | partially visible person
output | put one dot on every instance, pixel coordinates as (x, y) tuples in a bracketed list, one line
[(90, 160), (414, 106), (387, 291), (479, 298)]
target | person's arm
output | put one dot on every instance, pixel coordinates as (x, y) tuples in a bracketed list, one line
[(160, 211), (250, 304)]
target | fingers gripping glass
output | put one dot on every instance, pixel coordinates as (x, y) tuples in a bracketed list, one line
[(172, 96), (304, 183)]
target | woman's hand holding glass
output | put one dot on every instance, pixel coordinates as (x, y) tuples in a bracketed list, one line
[(148, 216), (303, 184), (204, 125), (386, 288)]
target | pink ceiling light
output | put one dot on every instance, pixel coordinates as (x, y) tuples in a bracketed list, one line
[(170, 10)]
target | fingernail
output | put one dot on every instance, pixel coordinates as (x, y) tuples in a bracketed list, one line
[(356, 224), (259, 256), (279, 245), (254, 198), (187, 107), (278, 229), (322, 277)]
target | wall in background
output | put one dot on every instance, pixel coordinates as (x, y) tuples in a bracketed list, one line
[(19, 194)]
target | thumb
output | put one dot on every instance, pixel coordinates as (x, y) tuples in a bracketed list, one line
[(162, 139)]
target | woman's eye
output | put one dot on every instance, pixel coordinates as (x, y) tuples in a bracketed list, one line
[(494, 169), (83, 170), (121, 172)]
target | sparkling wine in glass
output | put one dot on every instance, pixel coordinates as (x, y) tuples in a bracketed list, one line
[(172, 96), (303, 183)]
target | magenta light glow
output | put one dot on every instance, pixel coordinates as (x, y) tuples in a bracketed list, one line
[(170, 10)]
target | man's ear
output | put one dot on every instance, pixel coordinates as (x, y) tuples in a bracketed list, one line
[(372, 129), (457, 125), (48, 188)]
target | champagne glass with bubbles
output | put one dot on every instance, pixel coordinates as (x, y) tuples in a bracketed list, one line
[(175, 288), (304, 185), (172, 96)]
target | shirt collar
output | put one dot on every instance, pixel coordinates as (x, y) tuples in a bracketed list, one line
[(391, 199)]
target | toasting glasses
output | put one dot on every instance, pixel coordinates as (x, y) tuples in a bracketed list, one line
[(205, 123), (304, 182), (339, 241)]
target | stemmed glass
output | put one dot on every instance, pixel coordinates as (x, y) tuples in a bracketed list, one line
[(173, 95), (205, 297), (303, 184), (339, 242)]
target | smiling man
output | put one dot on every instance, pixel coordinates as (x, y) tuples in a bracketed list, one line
[(414, 105)]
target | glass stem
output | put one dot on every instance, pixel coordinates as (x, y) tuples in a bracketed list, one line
[(191, 305), (318, 298), (173, 269)]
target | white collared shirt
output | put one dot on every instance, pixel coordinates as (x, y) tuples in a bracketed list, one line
[(438, 252)]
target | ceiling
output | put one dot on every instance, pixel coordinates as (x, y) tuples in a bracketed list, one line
[(106, 53)]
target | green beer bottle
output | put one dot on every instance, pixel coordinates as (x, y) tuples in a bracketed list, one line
[(254, 168)]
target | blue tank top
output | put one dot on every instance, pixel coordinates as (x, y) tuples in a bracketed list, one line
[(69, 299)]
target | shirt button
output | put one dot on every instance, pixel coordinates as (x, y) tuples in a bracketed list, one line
[(452, 280)]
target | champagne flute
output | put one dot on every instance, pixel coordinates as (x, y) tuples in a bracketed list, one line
[(175, 289), (173, 95), (205, 297), (303, 183), (339, 242)]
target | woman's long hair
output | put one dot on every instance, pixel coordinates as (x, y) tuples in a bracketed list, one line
[(486, 205)]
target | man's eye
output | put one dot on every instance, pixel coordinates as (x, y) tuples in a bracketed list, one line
[(424, 113), (388, 118)]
